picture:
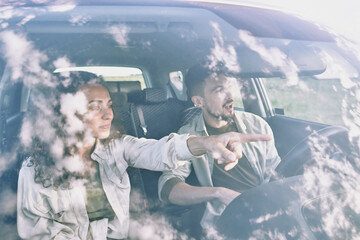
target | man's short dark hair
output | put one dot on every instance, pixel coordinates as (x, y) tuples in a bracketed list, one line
[(196, 75)]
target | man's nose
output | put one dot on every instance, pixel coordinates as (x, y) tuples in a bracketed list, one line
[(229, 93)]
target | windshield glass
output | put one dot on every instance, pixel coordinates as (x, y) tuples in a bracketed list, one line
[(278, 69)]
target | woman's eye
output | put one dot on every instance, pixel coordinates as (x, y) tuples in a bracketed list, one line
[(94, 108)]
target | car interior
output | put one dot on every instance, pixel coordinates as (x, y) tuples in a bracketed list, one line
[(161, 41)]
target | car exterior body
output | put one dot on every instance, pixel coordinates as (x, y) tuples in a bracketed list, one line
[(297, 76)]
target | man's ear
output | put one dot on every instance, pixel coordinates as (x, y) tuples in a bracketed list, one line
[(197, 100)]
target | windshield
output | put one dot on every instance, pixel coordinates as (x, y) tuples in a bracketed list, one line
[(276, 70)]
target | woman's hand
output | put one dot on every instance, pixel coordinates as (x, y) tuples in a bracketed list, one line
[(225, 148)]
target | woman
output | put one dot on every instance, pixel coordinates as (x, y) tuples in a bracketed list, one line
[(57, 200)]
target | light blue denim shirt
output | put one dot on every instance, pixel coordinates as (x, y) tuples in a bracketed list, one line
[(48, 213), (262, 155)]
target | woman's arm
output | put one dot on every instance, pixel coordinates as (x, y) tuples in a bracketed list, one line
[(162, 154)]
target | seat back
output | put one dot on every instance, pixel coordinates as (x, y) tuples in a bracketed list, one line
[(152, 107), (189, 114), (153, 116)]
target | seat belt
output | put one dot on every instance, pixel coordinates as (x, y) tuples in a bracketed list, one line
[(135, 172), (142, 120)]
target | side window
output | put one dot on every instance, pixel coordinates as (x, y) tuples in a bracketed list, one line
[(316, 100), (177, 84), (238, 102)]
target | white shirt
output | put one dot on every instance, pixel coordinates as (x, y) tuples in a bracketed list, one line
[(48, 213)]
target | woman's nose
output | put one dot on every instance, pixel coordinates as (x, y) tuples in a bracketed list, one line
[(107, 113)]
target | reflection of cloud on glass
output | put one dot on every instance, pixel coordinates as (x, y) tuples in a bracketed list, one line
[(212, 233), (8, 12), (273, 235), (351, 114), (61, 5), (348, 45), (153, 227), (6, 160), (79, 20), (221, 53), (266, 217), (330, 190), (26, 19), (40, 126), (273, 56), (7, 202), (120, 34), (24, 60), (337, 67), (70, 111), (72, 164), (64, 62)]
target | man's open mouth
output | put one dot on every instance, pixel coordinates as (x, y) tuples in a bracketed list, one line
[(229, 105)]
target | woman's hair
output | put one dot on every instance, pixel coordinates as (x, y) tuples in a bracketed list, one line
[(46, 154)]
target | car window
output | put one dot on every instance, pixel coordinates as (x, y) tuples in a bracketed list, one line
[(320, 94), (318, 100)]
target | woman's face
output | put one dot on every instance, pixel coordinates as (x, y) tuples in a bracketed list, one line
[(99, 111)]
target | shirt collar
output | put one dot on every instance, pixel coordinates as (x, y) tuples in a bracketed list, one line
[(99, 151), (201, 127)]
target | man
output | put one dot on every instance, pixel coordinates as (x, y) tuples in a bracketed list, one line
[(220, 184)]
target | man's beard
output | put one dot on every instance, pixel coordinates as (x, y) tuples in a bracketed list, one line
[(221, 116)]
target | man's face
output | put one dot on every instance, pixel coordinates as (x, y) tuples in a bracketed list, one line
[(218, 100), (99, 112)]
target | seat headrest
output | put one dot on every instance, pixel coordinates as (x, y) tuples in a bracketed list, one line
[(118, 99), (148, 95), (122, 86)]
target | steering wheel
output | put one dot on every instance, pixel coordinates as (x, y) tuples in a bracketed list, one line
[(332, 139)]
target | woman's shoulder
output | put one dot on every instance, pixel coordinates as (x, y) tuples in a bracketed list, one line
[(27, 166)]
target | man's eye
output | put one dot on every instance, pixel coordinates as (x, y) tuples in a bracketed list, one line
[(218, 90), (110, 106)]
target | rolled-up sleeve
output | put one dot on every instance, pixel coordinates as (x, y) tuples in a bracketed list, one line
[(156, 155)]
